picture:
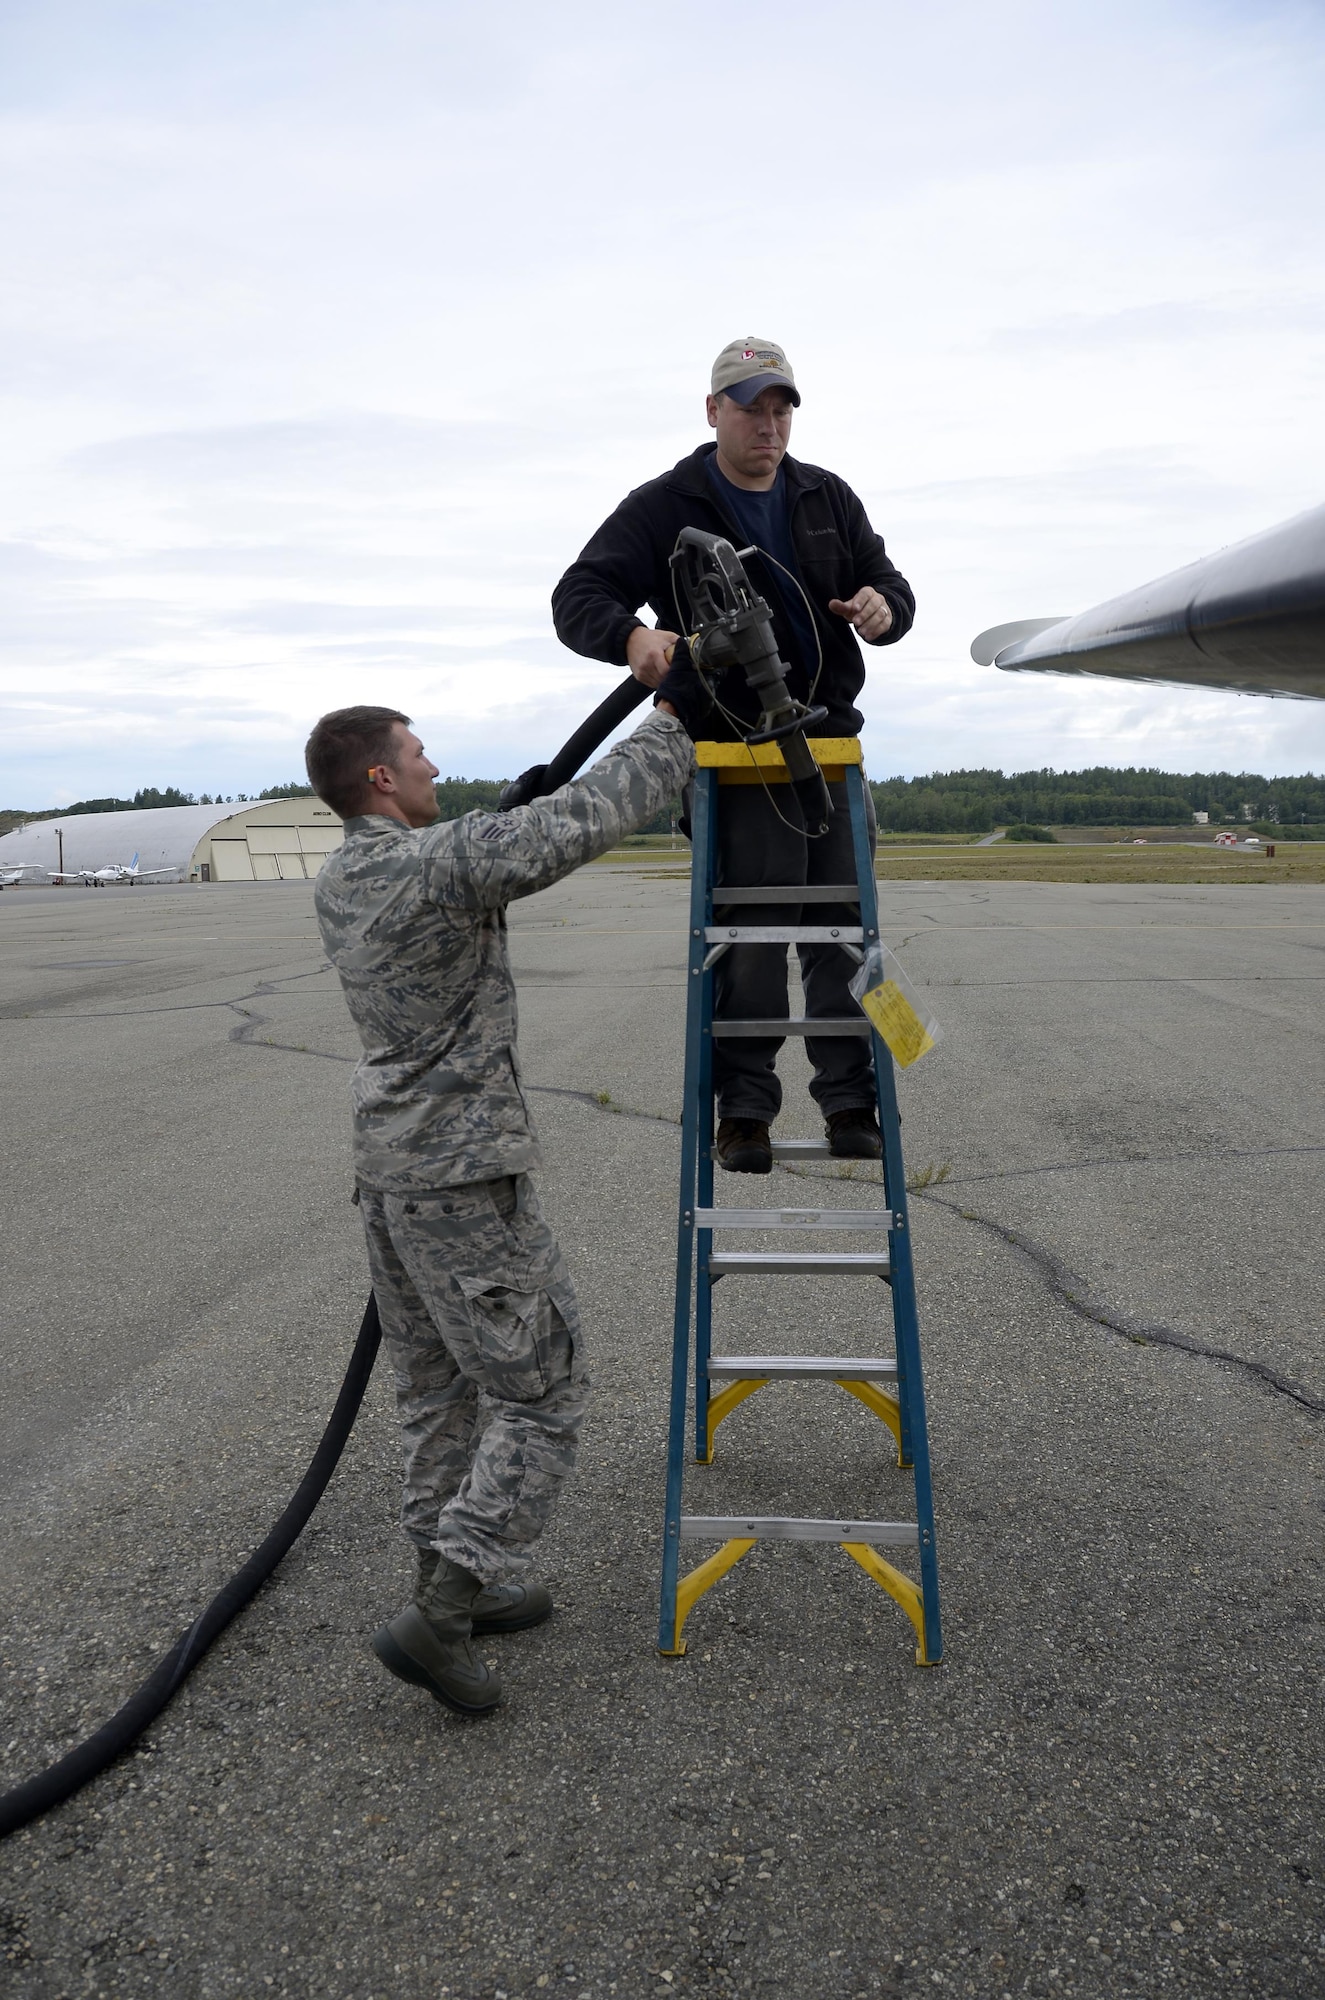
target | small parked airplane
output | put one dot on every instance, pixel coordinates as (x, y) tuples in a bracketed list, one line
[(115, 871), (11, 877)]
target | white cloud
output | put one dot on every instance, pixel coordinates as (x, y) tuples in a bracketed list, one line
[(330, 332)]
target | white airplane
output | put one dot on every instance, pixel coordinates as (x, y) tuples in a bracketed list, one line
[(11, 877), (115, 871)]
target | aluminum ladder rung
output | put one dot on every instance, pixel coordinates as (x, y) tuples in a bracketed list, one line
[(798, 1368), (783, 934), (777, 1528), (800, 1025), (789, 892), (789, 1263), (794, 1218)]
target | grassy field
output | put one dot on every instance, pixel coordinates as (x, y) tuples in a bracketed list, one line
[(1037, 863), (1034, 862)]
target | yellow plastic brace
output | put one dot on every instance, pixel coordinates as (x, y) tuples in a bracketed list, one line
[(691, 1588), (881, 1401), (897, 1586), (761, 763)]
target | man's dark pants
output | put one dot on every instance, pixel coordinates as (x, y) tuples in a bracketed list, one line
[(761, 843)]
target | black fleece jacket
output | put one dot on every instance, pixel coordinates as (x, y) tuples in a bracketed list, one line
[(624, 565)]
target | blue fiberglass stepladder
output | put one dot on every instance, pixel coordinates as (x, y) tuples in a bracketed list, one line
[(891, 1387)]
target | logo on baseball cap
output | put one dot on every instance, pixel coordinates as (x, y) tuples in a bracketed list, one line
[(745, 367)]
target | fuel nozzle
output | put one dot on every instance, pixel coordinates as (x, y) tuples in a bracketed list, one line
[(732, 626)]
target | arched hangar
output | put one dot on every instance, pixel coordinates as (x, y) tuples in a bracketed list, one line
[(268, 840)]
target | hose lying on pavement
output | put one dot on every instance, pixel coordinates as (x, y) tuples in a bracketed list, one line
[(61, 1780)]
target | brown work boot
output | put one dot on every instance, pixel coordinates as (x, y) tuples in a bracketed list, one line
[(854, 1134), (743, 1146), (429, 1643)]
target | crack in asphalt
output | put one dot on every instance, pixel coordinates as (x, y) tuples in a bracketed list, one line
[(1130, 1160), (1075, 1293), (183, 1007), (247, 1036)]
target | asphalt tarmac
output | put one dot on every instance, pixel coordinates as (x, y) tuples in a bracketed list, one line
[(1111, 1786)]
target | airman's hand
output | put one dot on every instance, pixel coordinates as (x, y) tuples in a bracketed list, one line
[(869, 611), (649, 654)]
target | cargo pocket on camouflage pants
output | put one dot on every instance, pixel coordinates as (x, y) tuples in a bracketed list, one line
[(515, 1334)]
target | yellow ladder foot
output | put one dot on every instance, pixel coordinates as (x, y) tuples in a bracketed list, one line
[(901, 1588), (691, 1588)]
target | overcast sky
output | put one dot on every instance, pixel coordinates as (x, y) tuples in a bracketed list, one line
[(329, 332)]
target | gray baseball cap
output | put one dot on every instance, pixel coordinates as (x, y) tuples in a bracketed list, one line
[(745, 367)]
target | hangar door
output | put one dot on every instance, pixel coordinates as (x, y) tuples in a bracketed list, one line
[(230, 862), (274, 853)]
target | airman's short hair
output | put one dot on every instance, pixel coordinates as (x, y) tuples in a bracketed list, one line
[(343, 748)]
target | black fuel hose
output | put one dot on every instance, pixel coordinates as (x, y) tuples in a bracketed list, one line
[(542, 779), (61, 1780)]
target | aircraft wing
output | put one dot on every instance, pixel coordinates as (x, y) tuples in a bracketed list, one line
[(1250, 619), (141, 874)]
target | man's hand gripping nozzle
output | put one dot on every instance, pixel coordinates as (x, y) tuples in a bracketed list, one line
[(730, 625)]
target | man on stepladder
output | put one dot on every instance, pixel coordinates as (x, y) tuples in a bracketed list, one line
[(814, 538), (479, 1318)]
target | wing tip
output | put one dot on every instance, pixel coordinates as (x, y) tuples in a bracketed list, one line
[(987, 645)]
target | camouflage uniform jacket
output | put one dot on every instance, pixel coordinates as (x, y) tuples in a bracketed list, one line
[(415, 925)]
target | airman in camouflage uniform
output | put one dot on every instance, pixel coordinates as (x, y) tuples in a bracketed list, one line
[(479, 1316)]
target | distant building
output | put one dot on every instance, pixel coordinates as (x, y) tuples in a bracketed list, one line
[(1200, 819), (268, 840)]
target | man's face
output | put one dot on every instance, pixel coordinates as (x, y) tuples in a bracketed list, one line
[(411, 777), (753, 438)]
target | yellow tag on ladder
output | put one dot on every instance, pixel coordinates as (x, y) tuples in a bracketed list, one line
[(896, 1010), (898, 1022)]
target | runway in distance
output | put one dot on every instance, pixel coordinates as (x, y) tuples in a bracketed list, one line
[(1250, 619)]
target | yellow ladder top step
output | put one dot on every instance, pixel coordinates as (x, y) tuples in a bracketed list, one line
[(828, 750)]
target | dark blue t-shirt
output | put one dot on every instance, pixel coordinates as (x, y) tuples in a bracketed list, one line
[(765, 523)]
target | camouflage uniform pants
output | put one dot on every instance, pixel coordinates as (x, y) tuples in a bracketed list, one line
[(482, 1330)]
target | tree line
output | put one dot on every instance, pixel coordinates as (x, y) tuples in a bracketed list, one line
[(942, 802), (979, 801)]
